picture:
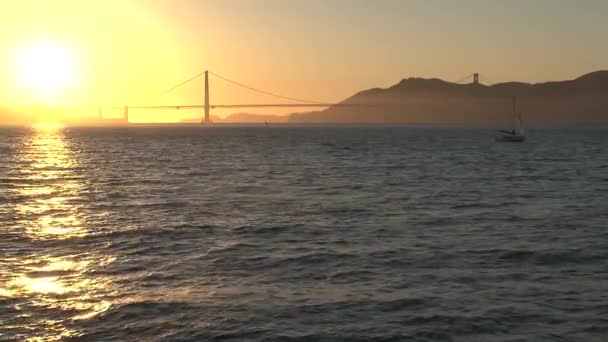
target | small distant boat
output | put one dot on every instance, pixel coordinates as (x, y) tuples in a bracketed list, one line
[(509, 136), (517, 133)]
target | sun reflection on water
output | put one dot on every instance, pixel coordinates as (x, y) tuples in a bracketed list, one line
[(50, 212), (51, 287), (39, 285)]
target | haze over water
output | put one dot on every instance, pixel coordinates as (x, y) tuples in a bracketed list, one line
[(302, 233)]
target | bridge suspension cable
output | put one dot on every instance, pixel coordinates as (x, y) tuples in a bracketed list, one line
[(486, 79), (180, 84), (266, 92), (463, 79)]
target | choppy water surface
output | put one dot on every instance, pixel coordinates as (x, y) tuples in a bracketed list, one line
[(302, 233)]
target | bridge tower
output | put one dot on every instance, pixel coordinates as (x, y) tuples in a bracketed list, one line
[(206, 119), (476, 78), (126, 115)]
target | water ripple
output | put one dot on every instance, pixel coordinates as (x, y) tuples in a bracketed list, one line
[(302, 234)]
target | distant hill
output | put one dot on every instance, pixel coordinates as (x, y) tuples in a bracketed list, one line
[(243, 118), (419, 100), (253, 118), (199, 119)]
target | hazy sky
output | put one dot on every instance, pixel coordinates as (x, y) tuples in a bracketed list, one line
[(125, 51)]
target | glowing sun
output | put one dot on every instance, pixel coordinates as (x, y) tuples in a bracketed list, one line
[(46, 67)]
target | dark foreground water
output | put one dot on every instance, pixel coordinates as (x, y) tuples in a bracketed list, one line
[(302, 234)]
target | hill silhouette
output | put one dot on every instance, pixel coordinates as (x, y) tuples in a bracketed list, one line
[(420, 100), (253, 118)]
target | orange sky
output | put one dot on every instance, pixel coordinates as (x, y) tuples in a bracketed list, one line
[(125, 51)]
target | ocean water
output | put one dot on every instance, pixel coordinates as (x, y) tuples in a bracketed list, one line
[(295, 233)]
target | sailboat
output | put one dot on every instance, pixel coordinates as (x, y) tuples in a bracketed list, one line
[(517, 133)]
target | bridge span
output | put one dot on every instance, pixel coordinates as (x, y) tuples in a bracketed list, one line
[(207, 106)]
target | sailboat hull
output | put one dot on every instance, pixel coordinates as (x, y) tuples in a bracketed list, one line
[(516, 134), (511, 138)]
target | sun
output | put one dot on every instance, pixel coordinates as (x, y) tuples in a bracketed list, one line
[(46, 67)]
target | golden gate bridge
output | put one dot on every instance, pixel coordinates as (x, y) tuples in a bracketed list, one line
[(207, 105)]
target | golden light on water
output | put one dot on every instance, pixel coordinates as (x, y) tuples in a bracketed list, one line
[(51, 165), (40, 285), (52, 275), (53, 288), (67, 289)]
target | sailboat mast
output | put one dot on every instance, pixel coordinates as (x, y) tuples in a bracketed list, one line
[(517, 115), (514, 102)]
